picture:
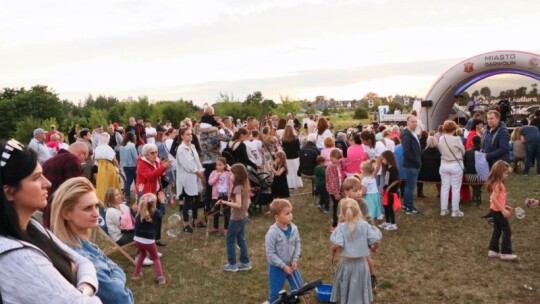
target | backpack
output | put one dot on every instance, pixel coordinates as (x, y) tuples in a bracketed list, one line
[(228, 154)]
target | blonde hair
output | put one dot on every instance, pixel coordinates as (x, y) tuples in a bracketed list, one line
[(515, 134), (329, 142), (288, 134), (368, 166), (109, 200), (351, 183), (65, 198), (496, 174), (282, 160), (432, 142), (278, 205), (350, 213), (147, 207)]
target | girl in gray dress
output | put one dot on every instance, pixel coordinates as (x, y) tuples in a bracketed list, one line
[(352, 237)]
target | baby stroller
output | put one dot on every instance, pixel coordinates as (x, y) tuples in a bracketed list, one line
[(261, 189)]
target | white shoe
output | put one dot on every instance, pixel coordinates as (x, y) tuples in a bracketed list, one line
[(159, 254), (509, 257), (444, 212), (457, 213), (146, 262), (493, 254), (391, 227), (384, 225)]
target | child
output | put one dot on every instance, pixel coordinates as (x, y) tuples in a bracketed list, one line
[(280, 187), (239, 216), (501, 212), (145, 233), (282, 244), (352, 283), (329, 145), (334, 178), (221, 187), (320, 184), (391, 185), (372, 197), (353, 188)]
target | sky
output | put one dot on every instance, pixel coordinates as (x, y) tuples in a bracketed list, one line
[(300, 49)]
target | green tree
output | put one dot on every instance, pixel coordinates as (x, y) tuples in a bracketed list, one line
[(175, 111), (97, 117), (522, 91), (325, 112), (286, 106), (485, 91), (360, 113), (140, 108)]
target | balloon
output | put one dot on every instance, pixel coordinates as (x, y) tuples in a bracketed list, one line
[(174, 225)]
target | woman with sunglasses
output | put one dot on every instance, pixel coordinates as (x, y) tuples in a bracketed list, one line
[(36, 267)]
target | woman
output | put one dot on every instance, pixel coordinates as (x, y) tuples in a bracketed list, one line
[(149, 172), (291, 147), (239, 149), (431, 161), (189, 176), (107, 177), (170, 134), (128, 161), (74, 212), (477, 129), (374, 149), (119, 217), (517, 147), (281, 128), (452, 168), (36, 266), (355, 156), (387, 141), (322, 132)]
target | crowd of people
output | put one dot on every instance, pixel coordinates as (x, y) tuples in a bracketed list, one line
[(367, 175)]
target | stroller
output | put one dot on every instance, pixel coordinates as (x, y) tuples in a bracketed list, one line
[(261, 190)]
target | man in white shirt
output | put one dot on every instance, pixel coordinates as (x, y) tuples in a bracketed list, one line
[(151, 133), (38, 144)]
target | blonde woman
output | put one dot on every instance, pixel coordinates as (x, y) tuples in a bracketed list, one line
[(291, 147)]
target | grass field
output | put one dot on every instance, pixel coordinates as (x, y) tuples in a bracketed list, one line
[(430, 259)]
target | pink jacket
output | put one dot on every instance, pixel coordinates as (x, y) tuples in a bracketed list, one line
[(334, 179), (213, 181), (355, 157)]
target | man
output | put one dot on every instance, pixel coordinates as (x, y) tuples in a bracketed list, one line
[(65, 165), (341, 143), (159, 126), (50, 133), (151, 132), (98, 130), (138, 130), (411, 162), (38, 144), (85, 138), (311, 124), (115, 140), (251, 123), (468, 125), (308, 156), (496, 140), (472, 106), (530, 136)]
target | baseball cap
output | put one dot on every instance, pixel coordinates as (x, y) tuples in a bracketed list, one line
[(39, 131)]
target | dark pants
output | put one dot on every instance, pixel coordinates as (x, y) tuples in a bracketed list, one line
[(402, 188), (324, 199), (419, 189), (188, 206), (126, 237), (533, 152), (221, 210), (500, 226), (208, 168), (335, 204), (389, 209), (131, 173)]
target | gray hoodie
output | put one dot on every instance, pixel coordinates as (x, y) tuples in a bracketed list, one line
[(281, 251)]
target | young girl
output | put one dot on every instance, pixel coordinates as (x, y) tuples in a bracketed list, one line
[(280, 187), (221, 187), (239, 217), (145, 233), (320, 184), (501, 212), (352, 238), (334, 179), (391, 186), (372, 197)]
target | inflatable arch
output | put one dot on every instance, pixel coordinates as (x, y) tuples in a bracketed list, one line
[(457, 79)]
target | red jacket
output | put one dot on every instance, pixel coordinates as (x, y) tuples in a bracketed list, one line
[(149, 175), (333, 180)]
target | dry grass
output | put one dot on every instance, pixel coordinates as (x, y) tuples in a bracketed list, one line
[(428, 260)]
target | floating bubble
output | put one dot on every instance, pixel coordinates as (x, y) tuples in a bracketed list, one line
[(174, 225), (520, 213)]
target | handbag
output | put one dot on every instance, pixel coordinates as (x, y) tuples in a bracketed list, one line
[(462, 167)]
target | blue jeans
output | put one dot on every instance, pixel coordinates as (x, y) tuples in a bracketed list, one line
[(533, 151), (277, 277), (237, 232), (131, 173), (411, 175)]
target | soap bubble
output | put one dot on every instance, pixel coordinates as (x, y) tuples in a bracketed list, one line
[(520, 213), (174, 225)]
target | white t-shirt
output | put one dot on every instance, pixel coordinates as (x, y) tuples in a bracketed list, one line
[(150, 131), (320, 138)]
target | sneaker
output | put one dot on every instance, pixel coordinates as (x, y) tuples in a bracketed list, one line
[(136, 276), (381, 217), (487, 216), (493, 254), (374, 283), (159, 254), (321, 208), (457, 213), (326, 211), (224, 232), (509, 257), (391, 227), (384, 225), (230, 268), (161, 280), (244, 266), (146, 262), (444, 212), (412, 211), (188, 229)]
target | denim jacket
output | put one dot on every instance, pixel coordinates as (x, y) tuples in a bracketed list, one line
[(111, 278)]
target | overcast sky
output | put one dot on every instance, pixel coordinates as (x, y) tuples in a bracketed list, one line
[(297, 48)]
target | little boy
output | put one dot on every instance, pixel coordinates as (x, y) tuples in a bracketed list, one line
[(282, 249), (320, 184)]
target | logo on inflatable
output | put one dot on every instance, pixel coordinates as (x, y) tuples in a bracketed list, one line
[(468, 67), (533, 62)]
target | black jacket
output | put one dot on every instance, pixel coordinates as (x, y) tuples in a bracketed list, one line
[(411, 150), (431, 161), (291, 148), (469, 161), (497, 144), (343, 146), (308, 159)]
